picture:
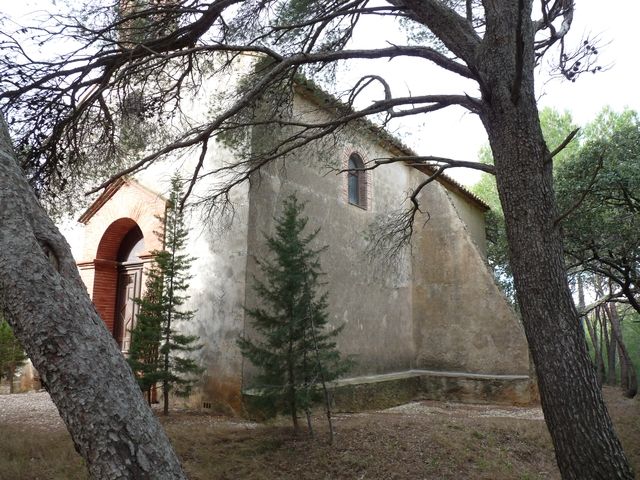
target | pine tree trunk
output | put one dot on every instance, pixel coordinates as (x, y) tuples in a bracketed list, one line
[(51, 314), (612, 374), (612, 348), (600, 370), (571, 399), (624, 373), (165, 385), (585, 442), (307, 412), (628, 377), (325, 390), (165, 367), (292, 390), (580, 292), (592, 326), (605, 346)]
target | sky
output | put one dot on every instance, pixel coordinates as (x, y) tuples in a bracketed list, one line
[(459, 135), (456, 134)]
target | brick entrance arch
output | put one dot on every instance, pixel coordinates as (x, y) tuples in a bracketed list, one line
[(118, 277), (119, 236)]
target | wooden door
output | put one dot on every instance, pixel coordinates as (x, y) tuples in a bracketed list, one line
[(129, 287)]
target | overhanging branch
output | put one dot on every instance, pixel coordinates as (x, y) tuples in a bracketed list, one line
[(565, 142)]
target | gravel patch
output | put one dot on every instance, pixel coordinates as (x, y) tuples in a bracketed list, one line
[(36, 410), (31, 409), (466, 410)]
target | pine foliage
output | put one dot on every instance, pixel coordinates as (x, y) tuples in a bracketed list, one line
[(159, 352), (144, 352), (295, 350)]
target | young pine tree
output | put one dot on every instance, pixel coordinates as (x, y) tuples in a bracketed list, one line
[(144, 352), (12, 355), (159, 353), (294, 350)]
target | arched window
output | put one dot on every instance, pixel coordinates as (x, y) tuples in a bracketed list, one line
[(357, 181)]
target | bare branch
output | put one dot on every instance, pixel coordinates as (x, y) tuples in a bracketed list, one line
[(433, 161), (565, 142), (583, 59), (364, 82), (600, 301), (194, 137), (563, 9), (196, 173), (394, 234)]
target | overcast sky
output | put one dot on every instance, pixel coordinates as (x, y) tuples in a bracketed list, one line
[(459, 135)]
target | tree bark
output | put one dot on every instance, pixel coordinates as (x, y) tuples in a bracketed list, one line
[(580, 292), (611, 345), (595, 341), (51, 314), (624, 374), (612, 377), (12, 377), (585, 443), (628, 378), (600, 370)]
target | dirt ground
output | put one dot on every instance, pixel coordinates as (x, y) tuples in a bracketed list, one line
[(419, 440)]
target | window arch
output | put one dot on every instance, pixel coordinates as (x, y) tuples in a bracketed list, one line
[(356, 181)]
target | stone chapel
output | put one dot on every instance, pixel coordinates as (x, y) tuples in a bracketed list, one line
[(431, 322)]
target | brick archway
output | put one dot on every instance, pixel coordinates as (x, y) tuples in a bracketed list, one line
[(119, 236), (112, 253)]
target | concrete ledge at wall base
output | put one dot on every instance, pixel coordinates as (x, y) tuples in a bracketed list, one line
[(469, 388), (386, 390), (391, 389)]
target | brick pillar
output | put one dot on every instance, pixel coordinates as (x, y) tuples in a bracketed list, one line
[(104, 290)]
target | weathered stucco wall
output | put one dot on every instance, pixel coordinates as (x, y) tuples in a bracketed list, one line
[(217, 292), (435, 308), (217, 288), (372, 300), (462, 320), (473, 218)]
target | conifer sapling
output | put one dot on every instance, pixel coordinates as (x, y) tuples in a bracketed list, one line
[(294, 348), (159, 352)]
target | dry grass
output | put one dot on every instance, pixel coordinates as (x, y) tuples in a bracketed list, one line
[(432, 442), (27, 454), (373, 446)]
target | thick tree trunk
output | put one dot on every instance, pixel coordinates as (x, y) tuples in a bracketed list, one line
[(51, 314), (583, 436)]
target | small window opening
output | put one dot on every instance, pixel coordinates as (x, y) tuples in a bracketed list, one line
[(357, 187)]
